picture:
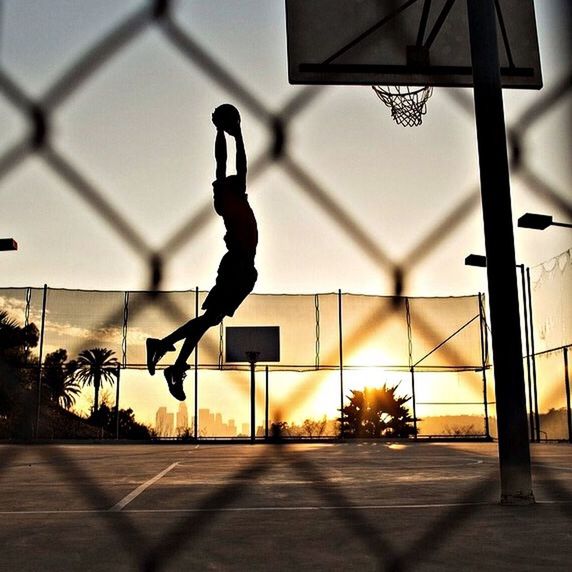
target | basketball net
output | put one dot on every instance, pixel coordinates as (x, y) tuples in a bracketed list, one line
[(408, 105)]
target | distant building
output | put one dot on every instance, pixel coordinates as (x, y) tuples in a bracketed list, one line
[(161, 420), (170, 425), (219, 427), (182, 418), (204, 422), (245, 429), (211, 424)]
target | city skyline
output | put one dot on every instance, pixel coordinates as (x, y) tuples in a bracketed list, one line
[(172, 424)]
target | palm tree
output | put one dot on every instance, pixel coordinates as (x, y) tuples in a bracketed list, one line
[(12, 335), (59, 378), (94, 367), (69, 392)]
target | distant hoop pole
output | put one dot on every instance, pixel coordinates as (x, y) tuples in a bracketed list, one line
[(252, 359), (514, 451)]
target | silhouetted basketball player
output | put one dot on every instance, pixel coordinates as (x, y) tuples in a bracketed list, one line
[(236, 272)]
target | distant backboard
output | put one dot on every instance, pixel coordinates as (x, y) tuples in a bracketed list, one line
[(242, 341), (404, 42)]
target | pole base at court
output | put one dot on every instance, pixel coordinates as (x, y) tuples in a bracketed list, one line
[(518, 499)]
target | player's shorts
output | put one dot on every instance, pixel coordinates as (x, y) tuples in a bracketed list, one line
[(235, 280)]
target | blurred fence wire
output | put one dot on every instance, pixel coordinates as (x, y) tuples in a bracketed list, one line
[(158, 16)]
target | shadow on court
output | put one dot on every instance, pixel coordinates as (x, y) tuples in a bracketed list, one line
[(360, 505)]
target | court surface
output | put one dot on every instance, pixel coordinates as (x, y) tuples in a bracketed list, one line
[(344, 506)]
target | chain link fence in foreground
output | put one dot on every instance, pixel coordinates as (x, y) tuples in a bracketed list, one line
[(159, 17)]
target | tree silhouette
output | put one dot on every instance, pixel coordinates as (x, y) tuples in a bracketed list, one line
[(94, 367), (129, 427), (15, 337), (16, 376), (377, 412), (59, 378)]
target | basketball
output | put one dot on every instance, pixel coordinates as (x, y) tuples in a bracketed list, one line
[(227, 117)]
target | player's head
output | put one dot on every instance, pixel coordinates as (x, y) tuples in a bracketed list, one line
[(227, 117)]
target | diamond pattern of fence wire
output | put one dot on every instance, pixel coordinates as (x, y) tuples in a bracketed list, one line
[(158, 16)]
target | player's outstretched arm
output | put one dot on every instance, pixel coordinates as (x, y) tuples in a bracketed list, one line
[(240, 154), (220, 155), (220, 148)]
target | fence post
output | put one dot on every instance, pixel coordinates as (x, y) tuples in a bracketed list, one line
[(482, 326), (117, 403), (125, 328), (40, 359), (414, 402), (341, 354), (411, 366), (266, 406), (196, 420), (567, 385), (533, 357), (27, 321), (527, 345)]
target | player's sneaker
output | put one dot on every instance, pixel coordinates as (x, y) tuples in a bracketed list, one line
[(175, 375), (156, 349)]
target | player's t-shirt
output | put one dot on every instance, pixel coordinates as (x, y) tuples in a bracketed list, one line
[(231, 203)]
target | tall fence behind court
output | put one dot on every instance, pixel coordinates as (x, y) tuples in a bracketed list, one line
[(547, 114), (434, 349)]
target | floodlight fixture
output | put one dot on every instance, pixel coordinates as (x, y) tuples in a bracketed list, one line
[(476, 260), (539, 221), (8, 244)]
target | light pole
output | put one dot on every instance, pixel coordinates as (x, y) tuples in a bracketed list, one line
[(539, 221), (480, 261)]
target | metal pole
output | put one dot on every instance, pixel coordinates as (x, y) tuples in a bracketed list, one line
[(567, 385), (341, 354), (533, 358), (514, 451), (414, 402), (40, 359), (124, 331), (526, 337), (196, 421), (266, 406), (117, 404), (252, 359), (482, 325)]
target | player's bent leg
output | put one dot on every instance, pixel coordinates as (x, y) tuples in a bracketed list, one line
[(156, 349), (175, 374)]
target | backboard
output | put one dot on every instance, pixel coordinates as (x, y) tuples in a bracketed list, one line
[(242, 341), (404, 42)]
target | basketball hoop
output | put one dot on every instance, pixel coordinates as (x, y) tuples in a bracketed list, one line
[(408, 105)]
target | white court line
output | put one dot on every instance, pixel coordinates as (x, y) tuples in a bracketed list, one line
[(134, 494), (276, 508), (550, 467)]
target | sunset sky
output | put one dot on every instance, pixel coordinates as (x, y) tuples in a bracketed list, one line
[(139, 130)]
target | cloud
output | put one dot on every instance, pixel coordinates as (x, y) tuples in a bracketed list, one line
[(15, 307)]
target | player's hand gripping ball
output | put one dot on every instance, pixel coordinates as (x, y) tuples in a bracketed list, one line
[(227, 118)]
